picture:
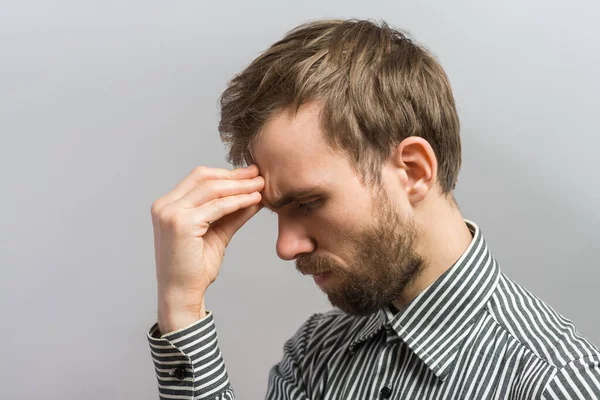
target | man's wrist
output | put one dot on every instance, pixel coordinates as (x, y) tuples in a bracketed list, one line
[(170, 321)]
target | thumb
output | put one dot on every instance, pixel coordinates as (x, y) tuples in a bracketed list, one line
[(231, 223)]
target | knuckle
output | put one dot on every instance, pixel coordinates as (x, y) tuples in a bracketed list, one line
[(207, 189), (156, 207), (154, 210), (213, 186), (166, 216), (200, 172), (220, 205)]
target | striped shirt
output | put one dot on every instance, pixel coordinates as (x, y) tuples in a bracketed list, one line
[(472, 334)]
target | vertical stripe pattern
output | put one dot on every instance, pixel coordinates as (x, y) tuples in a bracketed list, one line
[(473, 334)]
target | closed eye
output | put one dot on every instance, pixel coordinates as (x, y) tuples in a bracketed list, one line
[(307, 208)]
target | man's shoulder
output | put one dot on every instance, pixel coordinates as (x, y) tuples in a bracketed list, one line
[(536, 326)]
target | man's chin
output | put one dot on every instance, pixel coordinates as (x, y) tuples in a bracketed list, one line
[(348, 307)]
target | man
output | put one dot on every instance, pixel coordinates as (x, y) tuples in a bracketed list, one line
[(354, 132)]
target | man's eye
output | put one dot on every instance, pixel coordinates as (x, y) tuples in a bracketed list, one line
[(307, 208)]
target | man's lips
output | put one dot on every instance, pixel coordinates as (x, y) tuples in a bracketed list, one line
[(322, 277)]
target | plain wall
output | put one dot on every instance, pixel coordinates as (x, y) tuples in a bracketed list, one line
[(105, 106)]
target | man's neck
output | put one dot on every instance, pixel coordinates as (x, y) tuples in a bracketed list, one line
[(443, 238)]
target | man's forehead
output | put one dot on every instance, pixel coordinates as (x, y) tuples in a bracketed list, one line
[(284, 169), (292, 158), (289, 139), (289, 179)]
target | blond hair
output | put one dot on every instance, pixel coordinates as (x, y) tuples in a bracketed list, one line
[(376, 85)]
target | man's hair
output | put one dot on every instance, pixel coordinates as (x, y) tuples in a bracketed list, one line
[(377, 87)]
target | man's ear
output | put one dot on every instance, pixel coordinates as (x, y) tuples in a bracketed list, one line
[(417, 165)]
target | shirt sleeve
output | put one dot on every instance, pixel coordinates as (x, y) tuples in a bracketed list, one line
[(188, 362), (189, 365), (580, 379)]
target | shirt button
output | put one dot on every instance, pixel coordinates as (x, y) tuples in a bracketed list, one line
[(179, 373), (385, 392)]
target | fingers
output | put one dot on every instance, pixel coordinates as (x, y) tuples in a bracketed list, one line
[(213, 189), (218, 208), (198, 175), (230, 224)]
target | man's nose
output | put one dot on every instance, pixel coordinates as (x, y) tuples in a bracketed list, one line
[(293, 241)]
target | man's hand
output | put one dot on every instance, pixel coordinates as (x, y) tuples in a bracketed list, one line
[(193, 224)]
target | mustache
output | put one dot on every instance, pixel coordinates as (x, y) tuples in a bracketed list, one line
[(314, 265)]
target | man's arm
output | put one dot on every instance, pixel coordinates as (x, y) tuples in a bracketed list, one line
[(189, 365)]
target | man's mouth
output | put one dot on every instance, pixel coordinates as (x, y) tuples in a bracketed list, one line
[(322, 277)]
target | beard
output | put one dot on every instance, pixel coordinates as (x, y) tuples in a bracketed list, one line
[(384, 262)]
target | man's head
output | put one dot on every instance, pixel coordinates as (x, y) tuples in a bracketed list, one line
[(366, 119)]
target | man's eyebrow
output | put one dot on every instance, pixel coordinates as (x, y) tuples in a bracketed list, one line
[(292, 195)]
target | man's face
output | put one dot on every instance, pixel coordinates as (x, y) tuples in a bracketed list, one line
[(357, 235)]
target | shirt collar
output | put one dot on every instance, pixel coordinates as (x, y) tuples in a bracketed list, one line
[(435, 323)]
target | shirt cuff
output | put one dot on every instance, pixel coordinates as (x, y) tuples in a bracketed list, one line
[(188, 362)]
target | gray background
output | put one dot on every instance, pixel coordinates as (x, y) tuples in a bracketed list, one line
[(105, 106)]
